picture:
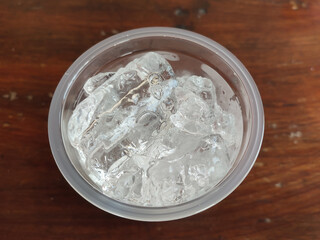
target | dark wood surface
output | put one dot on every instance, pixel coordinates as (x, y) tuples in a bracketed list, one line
[(277, 40)]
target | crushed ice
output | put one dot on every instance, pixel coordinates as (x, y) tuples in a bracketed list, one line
[(147, 137)]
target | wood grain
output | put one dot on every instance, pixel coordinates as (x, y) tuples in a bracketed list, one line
[(277, 40)]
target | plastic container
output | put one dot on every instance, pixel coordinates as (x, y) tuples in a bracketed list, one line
[(68, 94)]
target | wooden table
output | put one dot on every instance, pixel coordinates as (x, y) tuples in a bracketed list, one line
[(277, 40)]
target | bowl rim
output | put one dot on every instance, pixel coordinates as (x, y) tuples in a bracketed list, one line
[(80, 185)]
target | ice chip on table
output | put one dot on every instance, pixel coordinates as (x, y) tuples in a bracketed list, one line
[(148, 138)]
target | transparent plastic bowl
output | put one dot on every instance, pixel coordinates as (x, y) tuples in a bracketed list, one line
[(68, 94)]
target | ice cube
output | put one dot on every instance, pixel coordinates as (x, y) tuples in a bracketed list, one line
[(95, 81), (167, 181), (193, 114), (202, 87), (149, 64), (83, 116), (123, 179), (209, 162), (126, 106)]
